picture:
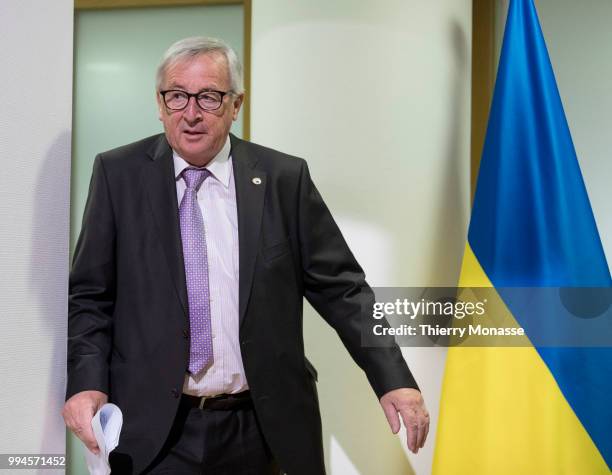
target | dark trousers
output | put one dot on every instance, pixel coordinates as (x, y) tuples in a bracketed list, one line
[(213, 442)]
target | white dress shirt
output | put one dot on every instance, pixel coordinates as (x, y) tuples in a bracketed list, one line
[(217, 200)]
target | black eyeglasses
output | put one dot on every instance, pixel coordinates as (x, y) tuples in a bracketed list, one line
[(208, 100)]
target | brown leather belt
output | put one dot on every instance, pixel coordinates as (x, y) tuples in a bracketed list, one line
[(222, 402)]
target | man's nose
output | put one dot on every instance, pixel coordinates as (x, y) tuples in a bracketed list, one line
[(192, 112)]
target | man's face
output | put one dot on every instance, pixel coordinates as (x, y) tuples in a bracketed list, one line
[(198, 135)]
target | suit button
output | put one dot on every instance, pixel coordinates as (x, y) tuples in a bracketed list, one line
[(185, 334), (175, 392)]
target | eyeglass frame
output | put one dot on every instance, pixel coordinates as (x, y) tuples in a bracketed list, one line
[(195, 95)]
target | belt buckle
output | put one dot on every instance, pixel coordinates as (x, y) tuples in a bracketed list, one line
[(202, 401)]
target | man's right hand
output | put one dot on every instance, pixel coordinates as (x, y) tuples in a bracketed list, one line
[(78, 413)]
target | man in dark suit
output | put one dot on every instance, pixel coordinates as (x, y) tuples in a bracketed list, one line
[(186, 292)]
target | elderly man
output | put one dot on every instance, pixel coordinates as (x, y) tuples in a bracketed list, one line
[(186, 292)]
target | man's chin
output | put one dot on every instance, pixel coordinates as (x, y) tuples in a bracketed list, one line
[(198, 156), (195, 147)]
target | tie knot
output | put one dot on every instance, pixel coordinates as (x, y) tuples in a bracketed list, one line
[(194, 177)]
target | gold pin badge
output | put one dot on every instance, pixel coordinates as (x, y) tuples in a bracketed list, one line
[(256, 180)]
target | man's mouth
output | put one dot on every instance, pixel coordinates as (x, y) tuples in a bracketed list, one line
[(193, 133)]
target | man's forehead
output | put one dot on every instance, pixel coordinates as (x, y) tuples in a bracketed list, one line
[(206, 66), (213, 62)]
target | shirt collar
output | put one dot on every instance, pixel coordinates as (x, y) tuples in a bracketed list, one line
[(220, 166)]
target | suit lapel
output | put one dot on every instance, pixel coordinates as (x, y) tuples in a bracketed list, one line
[(161, 189), (250, 192)]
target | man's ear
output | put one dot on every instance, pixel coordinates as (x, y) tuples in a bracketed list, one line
[(237, 103)]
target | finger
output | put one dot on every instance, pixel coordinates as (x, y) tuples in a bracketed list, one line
[(425, 433), (88, 439), (421, 435), (412, 433), (71, 421), (425, 427), (421, 420), (84, 431), (68, 416), (392, 417), (412, 429)]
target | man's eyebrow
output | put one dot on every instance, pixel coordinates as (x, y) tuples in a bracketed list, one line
[(173, 87)]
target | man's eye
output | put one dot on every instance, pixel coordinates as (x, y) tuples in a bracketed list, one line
[(208, 97), (174, 95)]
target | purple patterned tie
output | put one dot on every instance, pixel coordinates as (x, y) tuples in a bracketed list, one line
[(196, 271)]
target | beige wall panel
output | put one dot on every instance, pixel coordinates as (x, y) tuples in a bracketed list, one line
[(376, 96)]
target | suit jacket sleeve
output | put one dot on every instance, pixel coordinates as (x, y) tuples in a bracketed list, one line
[(335, 286), (92, 292)]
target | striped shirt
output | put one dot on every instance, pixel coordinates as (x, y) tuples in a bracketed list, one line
[(217, 200)]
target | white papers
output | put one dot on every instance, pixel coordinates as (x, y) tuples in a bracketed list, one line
[(106, 426)]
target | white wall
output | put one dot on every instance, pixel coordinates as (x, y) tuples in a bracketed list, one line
[(375, 95), (35, 93)]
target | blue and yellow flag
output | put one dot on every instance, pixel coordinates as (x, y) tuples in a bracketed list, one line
[(529, 410)]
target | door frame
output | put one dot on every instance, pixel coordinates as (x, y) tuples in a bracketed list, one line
[(247, 13)]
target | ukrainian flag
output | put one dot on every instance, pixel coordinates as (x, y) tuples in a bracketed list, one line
[(529, 410)]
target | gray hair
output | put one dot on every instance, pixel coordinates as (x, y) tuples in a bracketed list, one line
[(198, 45)]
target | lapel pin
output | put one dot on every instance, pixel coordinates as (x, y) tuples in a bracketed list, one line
[(256, 180)]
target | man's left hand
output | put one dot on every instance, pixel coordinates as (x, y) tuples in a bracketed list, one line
[(410, 404)]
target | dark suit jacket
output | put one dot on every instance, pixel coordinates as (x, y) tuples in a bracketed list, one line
[(128, 323)]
